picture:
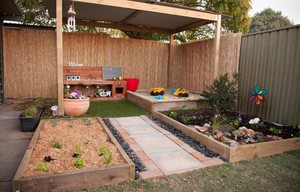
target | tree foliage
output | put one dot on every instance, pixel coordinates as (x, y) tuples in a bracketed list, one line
[(268, 19), (35, 13)]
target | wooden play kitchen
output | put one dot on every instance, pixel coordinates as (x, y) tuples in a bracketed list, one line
[(98, 83)]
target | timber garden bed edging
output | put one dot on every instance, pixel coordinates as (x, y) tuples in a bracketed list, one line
[(234, 154), (73, 180)]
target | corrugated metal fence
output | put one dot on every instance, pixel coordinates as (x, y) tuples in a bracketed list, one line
[(272, 60)]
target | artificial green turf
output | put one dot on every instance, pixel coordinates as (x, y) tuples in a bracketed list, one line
[(120, 108), (278, 173)]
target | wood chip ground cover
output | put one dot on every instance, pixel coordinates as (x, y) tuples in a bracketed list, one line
[(71, 132)]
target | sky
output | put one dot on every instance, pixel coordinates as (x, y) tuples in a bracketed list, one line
[(288, 8)]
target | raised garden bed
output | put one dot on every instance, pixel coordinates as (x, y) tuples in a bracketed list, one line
[(238, 153), (61, 139)]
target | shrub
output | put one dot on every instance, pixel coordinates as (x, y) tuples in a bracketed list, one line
[(222, 94)]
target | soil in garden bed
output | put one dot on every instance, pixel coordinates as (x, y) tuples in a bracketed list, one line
[(235, 127), (86, 133)]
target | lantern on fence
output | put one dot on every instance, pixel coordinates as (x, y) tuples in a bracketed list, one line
[(71, 19)]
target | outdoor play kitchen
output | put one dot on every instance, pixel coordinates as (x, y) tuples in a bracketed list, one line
[(188, 90)]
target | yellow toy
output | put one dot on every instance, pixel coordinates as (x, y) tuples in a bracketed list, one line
[(181, 93), (157, 91)]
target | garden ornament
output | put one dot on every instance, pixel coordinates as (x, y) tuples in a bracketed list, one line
[(257, 95)]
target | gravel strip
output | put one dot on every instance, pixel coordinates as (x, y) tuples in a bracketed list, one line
[(139, 166), (188, 140)]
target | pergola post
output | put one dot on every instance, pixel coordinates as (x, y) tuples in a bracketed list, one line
[(170, 60), (59, 55), (217, 46)]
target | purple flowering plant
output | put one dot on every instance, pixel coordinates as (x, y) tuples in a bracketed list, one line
[(76, 94)]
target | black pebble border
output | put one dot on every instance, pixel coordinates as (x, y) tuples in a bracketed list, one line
[(139, 166), (188, 140)]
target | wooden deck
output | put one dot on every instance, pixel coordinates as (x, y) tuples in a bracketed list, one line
[(143, 99)]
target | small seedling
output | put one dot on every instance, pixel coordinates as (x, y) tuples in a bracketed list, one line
[(57, 145), (54, 122), (79, 162), (87, 121), (86, 142), (107, 158), (42, 167), (71, 118), (77, 152)]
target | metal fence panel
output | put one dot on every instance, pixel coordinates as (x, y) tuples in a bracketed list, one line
[(272, 60)]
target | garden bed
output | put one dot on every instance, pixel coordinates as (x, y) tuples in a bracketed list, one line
[(233, 154), (70, 136)]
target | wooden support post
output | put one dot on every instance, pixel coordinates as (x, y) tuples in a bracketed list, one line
[(217, 46), (59, 55), (170, 61)]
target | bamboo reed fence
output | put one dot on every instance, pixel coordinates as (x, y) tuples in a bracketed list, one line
[(30, 60), (193, 62)]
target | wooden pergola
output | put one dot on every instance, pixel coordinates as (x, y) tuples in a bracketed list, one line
[(132, 15)]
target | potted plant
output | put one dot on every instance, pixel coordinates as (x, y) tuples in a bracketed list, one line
[(30, 118), (77, 104)]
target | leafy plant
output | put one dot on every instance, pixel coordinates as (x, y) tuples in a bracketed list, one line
[(57, 145), (185, 119), (173, 114), (87, 121), (42, 167), (29, 112), (275, 131), (79, 162), (39, 102), (234, 123), (217, 121), (222, 94), (107, 158), (54, 122)]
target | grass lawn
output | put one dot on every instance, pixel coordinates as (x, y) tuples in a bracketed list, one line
[(278, 173), (120, 108)]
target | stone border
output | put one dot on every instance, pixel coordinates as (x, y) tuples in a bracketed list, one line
[(72, 180), (234, 154)]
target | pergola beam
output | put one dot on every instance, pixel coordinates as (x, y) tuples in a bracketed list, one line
[(191, 26), (154, 8), (125, 27)]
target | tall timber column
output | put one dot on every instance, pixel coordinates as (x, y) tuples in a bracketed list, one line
[(59, 55), (217, 46), (170, 61)]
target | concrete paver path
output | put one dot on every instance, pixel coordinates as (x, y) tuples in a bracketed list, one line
[(161, 152), (13, 144)]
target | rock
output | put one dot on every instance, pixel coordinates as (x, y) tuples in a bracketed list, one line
[(200, 128), (232, 143), (207, 125), (249, 140), (227, 134)]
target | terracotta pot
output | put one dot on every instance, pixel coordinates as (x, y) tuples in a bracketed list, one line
[(76, 107)]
